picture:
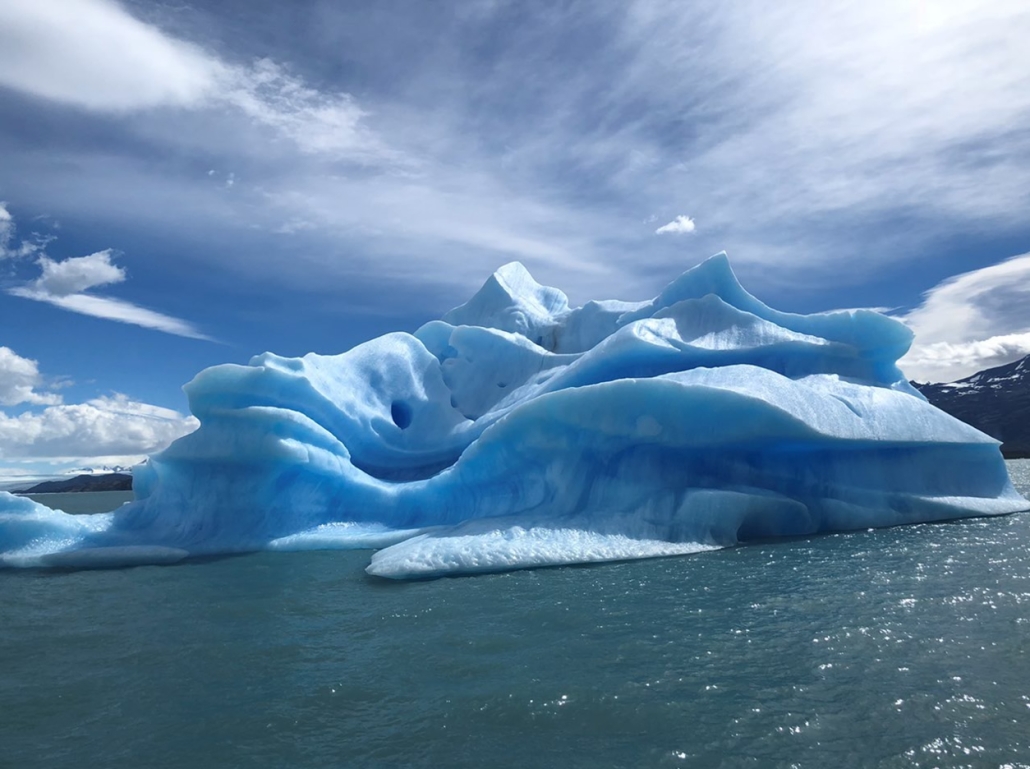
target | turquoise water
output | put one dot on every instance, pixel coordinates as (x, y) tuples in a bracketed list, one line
[(899, 647)]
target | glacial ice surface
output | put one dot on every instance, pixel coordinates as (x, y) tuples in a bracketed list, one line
[(519, 432)]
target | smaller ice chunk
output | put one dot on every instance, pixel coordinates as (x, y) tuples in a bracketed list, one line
[(487, 548)]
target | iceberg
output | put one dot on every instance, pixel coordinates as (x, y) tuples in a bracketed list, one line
[(518, 432)]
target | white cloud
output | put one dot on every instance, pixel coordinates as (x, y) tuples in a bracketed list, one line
[(20, 381), (317, 122), (681, 225), (6, 229), (7, 249), (77, 274), (114, 309), (811, 113), (115, 428), (946, 362), (970, 322), (976, 304), (92, 431), (396, 219), (785, 129), (64, 284), (881, 310), (92, 54)]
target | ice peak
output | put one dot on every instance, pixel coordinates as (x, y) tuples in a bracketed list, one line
[(713, 276), (511, 300)]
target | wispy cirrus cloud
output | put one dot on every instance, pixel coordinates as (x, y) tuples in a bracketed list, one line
[(117, 310), (840, 110), (802, 136), (319, 123)]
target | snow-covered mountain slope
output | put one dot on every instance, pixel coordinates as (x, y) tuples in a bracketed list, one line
[(996, 401)]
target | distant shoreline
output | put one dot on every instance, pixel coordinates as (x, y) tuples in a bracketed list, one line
[(81, 483)]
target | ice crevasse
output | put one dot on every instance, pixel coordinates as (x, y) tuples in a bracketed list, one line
[(519, 432)]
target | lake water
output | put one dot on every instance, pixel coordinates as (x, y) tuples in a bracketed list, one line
[(83, 501), (899, 647)]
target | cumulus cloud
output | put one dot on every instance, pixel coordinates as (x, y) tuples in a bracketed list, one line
[(970, 322), (77, 274), (113, 426), (20, 381), (106, 428), (681, 225)]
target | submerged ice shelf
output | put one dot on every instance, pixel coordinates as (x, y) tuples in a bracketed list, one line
[(518, 432)]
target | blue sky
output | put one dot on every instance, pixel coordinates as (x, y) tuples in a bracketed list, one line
[(190, 184)]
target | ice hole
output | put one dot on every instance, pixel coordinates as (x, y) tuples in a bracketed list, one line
[(400, 412)]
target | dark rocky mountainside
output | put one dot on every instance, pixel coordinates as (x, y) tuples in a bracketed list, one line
[(106, 482), (996, 401)]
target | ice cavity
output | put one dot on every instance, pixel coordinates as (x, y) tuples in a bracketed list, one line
[(520, 432)]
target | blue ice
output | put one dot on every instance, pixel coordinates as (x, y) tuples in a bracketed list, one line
[(519, 432)]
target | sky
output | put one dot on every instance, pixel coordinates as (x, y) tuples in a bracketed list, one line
[(188, 184)]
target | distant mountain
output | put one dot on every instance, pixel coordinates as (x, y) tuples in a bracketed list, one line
[(109, 482), (995, 401)]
